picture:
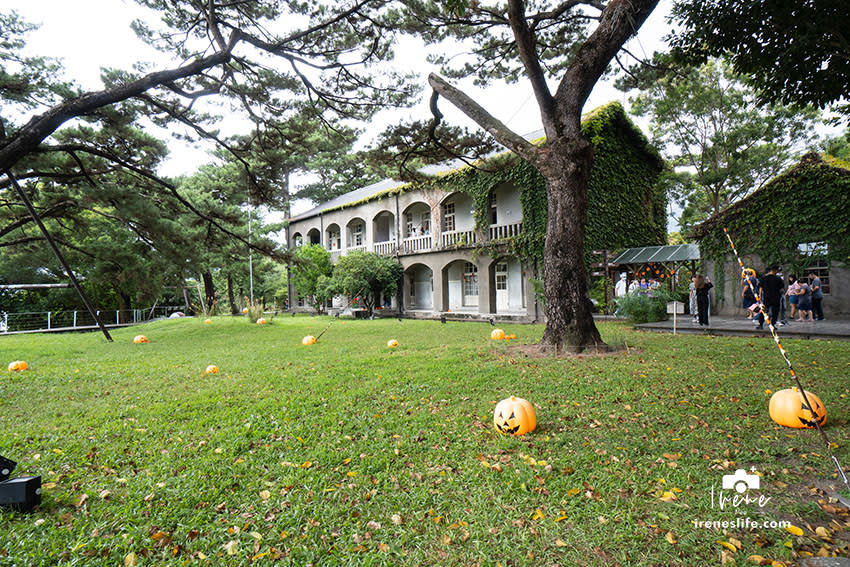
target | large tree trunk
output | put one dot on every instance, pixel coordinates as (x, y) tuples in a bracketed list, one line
[(569, 315), (234, 309), (209, 292)]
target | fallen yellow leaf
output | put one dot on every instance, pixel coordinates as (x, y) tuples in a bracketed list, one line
[(560, 543), (756, 559), (728, 545), (265, 494), (822, 532), (794, 530), (131, 560), (538, 515), (671, 538)]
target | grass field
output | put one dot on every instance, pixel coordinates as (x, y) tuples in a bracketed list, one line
[(350, 453)]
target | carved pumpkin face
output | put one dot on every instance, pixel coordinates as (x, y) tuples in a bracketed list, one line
[(308, 340), (514, 416), (497, 334), (212, 369), (139, 339), (18, 366), (261, 321), (392, 343), (788, 408)]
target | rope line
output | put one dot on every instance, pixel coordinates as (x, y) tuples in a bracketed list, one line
[(751, 280)]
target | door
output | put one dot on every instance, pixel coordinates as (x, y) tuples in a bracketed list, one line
[(470, 285), (502, 293)]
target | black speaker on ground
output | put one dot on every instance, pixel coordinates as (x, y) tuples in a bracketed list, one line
[(22, 493), (6, 467)]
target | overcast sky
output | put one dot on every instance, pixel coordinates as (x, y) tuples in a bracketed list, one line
[(90, 34)]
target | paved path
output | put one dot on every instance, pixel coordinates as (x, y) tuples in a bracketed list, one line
[(826, 329)]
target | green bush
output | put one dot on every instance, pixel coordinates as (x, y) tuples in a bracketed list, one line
[(640, 307)]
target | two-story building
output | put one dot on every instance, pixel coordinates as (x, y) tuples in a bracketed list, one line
[(475, 254)]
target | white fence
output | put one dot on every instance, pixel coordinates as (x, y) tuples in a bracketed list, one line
[(70, 320)]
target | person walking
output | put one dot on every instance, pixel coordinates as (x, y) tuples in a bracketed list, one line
[(770, 290), (703, 285), (748, 297), (817, 297), (804, 302)]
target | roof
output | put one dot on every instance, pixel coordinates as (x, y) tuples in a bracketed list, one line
[(660, 254)]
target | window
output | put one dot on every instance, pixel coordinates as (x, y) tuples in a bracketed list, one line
[(297, 240), (470, 279), (501, 281), (408, 218), (448, 217), (493, 211), (412, 287), (816, 252), (357, 234), (425, 223), (333, 239)]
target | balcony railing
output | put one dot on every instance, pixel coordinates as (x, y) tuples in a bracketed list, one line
[(457, 238), (335, 254), (416, 244), (384, 248), (505, 230), (360, 247)]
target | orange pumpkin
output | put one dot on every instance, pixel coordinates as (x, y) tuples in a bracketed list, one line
[(139, 339), (392, 343), (245, 310), (261, 321), (207, 321), (18, 366), (514, 416), (212, 369), (308, 340), (497, 334), (788, 408)]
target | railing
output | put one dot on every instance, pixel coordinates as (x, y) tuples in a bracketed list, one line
[(70, 320), (505, 230), (335, 254), (384, 248), (417, 244), (361, 247), (457, 238)]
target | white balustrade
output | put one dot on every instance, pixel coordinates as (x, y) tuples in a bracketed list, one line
[(416, 244), (505, 230), (384, 248), (457, 238)]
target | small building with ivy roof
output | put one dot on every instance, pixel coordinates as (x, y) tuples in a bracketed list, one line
[(471, 239), (800, 220)]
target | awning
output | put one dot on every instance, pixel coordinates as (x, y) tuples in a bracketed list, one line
[(658, 254)]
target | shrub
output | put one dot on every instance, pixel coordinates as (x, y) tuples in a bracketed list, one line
[(640, 307)]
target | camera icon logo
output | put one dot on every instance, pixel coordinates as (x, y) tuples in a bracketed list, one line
[(741, 481)]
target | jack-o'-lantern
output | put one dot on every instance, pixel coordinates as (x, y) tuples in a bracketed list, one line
[(497, 334), (392, 343), (788, 408), (18, 366), (212, 369), (139, 339), (514, 416), (308, 340), (261, 321)]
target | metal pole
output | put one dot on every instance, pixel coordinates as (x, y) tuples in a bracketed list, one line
[(48, 320), (58, 253), (250, 261)]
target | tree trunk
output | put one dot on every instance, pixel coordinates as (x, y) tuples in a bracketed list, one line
[(123, 304), (209, 292), (569, 316), (234, 309)]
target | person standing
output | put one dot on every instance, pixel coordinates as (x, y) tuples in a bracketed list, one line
[(748, 297), (791, 294), (692, 298), (770, 290), (817, 297), (621, 287), (703, 285), (804, 302)]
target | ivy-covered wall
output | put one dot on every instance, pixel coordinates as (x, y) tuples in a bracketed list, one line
[(626, 205), (810, 202)]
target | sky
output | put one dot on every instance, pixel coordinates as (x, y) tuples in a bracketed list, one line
[(89, 34)]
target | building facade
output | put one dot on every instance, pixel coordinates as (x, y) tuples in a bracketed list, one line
[(471, 246)]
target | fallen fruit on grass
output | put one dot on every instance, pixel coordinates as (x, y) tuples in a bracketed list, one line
[(514, 416), (308, 340), (139, 339), (392, 343), (212, 369), (18, 366)]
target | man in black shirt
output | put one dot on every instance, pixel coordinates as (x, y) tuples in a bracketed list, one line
[(771, 287)]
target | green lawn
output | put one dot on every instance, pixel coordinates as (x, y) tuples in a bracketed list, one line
[(350, 453)]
